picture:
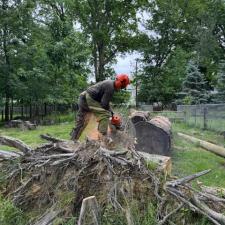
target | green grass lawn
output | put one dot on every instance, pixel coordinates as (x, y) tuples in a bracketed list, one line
[(32, 137), (187, 158)]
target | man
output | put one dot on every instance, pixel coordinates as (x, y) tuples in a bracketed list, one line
[(96, 99)]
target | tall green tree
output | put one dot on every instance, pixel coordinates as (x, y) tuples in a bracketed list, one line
[(57, 56), (220, 87), (109, 25), (194, 88), (186, 25), (14, 32)]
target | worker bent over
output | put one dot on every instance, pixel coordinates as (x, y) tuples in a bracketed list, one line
[(96, 99)]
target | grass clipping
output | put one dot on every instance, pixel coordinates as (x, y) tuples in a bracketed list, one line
[(50, 182)]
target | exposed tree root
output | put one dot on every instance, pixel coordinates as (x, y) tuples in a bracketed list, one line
[(61, 174)]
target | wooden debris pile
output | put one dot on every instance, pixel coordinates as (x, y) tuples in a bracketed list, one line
[(23, 125), (54, 178)]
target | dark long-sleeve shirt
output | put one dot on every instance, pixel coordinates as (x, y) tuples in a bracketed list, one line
[(102, 92)]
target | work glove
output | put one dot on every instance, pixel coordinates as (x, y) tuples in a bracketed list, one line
[(112, 113)]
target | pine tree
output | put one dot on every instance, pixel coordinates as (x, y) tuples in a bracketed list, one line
[(194, 86), (220, 97)]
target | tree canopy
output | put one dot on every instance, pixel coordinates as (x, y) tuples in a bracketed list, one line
[(49, 48)]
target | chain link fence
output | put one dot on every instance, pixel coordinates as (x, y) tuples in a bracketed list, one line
[(205, 116), (36, 111)]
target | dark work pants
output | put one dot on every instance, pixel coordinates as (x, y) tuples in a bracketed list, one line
[(80, 118), (87, 104)]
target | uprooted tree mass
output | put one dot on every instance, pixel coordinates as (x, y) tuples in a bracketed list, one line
[(91, 184)]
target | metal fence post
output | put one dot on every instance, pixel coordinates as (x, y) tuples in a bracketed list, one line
[(185, 116), (195, 116), (205, 118)]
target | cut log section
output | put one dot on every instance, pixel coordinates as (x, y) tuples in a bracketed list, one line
[(154, 136), (91, 128), (164, 163), (21, 124), (219, 150), (138, 116)]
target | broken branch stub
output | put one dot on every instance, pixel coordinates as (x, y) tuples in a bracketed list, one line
[(15, 143), (89, 212)]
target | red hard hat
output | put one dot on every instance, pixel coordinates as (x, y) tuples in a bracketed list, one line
[(123, 79)]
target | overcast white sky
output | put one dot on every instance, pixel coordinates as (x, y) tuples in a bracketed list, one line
[(126, 64)]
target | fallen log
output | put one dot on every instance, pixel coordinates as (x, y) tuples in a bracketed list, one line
[(154, 136), (187, 178), (48, 137), (29, 125), (195, 202), (138, 116), (219, 150), (21, 124), (215, 215), (9, 154), (214, 191), (15, 143), (48, 218)]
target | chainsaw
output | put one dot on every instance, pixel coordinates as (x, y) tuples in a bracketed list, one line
[(116, 121)]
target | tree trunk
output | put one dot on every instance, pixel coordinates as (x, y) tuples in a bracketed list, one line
[(2, 115), (99, 60), (101, 65), (219, 150), (37, 110), (11, 109), (7, 109), (7, 64), (95, 62), (30, 109), (45, 109), (22, 113)]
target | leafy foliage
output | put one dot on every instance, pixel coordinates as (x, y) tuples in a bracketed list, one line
[(220, 97), (175, 32), (120, 97), (110, 27), (194, 89)]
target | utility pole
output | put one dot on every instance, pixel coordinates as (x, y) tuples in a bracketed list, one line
[(136, 86)]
